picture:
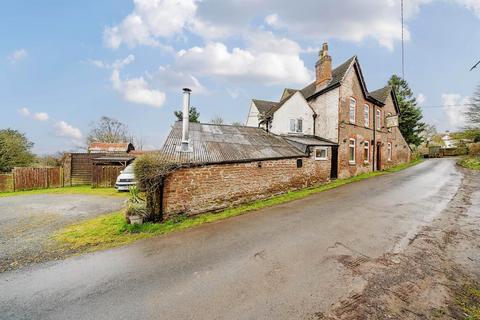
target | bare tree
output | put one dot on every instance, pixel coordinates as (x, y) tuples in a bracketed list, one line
[(217, 120), (237, 124), (428, 133), (109, 130), (472, 114)]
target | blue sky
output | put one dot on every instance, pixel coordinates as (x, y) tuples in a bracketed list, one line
[(64, 64)]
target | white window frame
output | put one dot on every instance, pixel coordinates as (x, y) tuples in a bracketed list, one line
[(366, 146), (318, 149), (389, 151), (350, 145), (366, 115), (350, 114), (296, 125), (378, 119)]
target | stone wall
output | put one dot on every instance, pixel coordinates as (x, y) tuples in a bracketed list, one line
[(213, 187)]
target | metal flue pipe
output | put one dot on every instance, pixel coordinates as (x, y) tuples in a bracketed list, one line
[(186, 118)]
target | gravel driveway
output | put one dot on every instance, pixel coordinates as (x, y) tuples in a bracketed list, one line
[(27, 221)]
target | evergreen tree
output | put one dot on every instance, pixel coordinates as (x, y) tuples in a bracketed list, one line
[(193, 116), (410, 114), (15, 150)]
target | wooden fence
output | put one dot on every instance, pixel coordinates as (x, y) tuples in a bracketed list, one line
[(6, 182), (37, 178), (105, 176)]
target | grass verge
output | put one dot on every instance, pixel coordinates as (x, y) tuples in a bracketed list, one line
[(470, 162), (469, 301), (87, 189), (111, 230)]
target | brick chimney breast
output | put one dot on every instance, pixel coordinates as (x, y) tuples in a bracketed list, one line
[(323, 68)]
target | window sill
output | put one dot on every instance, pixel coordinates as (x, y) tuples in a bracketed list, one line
[(321, 159), (352, 163)]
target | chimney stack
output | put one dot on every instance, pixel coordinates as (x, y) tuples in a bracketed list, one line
[(323, 68), (186, 120)]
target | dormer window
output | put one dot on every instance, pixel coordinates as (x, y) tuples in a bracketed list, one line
[(296, 125)]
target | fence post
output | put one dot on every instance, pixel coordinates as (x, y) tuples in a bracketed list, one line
[(13, 177)]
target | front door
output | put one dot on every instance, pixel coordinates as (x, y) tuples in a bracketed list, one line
[(379, 156), (334, 164)]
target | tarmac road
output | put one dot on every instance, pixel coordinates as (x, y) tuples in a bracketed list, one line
[(275, 263)]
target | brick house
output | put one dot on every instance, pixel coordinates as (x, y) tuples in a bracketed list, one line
[(338, 107)]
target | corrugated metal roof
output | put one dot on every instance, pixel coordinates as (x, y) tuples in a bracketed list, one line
[(212, 143)]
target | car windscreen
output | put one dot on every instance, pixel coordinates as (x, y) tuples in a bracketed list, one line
[(128, 169)]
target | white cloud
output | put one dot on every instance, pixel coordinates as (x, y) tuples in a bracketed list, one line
[(18, 55), (169, 78), (234, 93), (118, 64), (421, 98), (137, 90), (24, 111), (272, 20), (348, 20), (41, 116), (266, 58), (149, 20), (473, 5), (66, 130), (454, 108)]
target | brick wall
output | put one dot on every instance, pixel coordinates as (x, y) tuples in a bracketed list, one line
[(360, 132), (213, 187)]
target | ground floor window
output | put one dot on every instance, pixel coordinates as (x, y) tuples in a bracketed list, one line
[(366, 152), (321, 153), (389, 151), (351, 151)]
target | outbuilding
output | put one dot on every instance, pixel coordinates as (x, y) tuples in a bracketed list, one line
[(226, 165)]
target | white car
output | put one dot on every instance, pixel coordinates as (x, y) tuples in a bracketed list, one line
[(126, 179)]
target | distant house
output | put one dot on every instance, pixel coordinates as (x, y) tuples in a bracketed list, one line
[(338, 107), (448, 142), (105, 147)]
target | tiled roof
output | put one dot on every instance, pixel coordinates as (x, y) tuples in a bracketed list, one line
[(381, 94), (109, 147), (212, 143), (264, 106), (337, 75)]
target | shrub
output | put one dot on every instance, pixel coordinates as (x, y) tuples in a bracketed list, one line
[(135, 195), (150, 169), (474, 149)]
